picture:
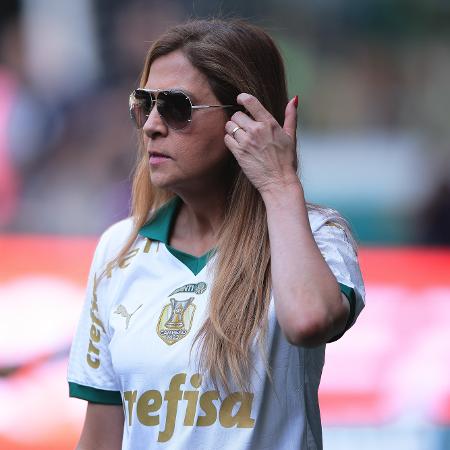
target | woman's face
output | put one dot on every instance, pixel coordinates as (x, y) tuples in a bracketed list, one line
[(194, 158)]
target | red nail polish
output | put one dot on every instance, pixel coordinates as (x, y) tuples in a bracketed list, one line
[(296, 101)]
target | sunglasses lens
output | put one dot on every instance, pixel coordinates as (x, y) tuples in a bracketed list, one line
[(140, 106), (174, 108)]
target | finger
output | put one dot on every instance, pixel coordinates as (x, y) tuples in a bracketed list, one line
[(232, 145), (230, 128), (254, 107), (290, 118), (241, 119)]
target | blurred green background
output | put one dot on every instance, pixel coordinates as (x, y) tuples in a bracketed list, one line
[(372, 77)]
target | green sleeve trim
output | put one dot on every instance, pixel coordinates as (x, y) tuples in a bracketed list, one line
[(351, 295), (94, 395)]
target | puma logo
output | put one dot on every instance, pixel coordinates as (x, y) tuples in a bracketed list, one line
[(124, 313)]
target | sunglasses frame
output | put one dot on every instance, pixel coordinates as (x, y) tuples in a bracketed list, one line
[(154, 94)]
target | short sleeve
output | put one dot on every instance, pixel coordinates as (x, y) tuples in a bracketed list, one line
[(90, 373), (341, 257)]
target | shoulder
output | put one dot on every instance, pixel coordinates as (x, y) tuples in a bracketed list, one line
[(328, 223), (119, 231), (339, 248), (320, 216), (113, 239)]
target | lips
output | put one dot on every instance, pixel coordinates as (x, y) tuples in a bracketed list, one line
[(156, 158), (152, 154)]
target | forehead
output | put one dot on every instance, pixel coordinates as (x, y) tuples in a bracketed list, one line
[(175, 71)]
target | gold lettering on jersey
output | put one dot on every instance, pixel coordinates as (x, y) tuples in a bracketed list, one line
[(148, 245), (241, 418), (130, 399), (93, 353), (149, 402), (172, 397), (126, 259), (234, 411), (123, 264), (192, 400), (97, 327), (176, 318), (109, 268)]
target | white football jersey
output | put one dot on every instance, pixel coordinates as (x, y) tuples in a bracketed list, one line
[(134, 338)]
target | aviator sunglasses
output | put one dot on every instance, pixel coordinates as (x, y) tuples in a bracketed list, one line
[(174, 107)]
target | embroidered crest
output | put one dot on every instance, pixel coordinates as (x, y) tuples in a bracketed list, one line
[(175, 320)]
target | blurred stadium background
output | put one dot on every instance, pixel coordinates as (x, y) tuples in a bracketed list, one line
[(373, 81)]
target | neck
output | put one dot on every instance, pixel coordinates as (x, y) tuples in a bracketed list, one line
[(197, 225), (204, 200)]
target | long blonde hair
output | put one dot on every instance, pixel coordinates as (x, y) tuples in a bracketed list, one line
[(235, 57)]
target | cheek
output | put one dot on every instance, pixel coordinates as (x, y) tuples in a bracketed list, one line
[(212, 149), (206, 144), (204, 156)]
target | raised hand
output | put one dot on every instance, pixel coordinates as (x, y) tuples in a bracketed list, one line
[(265, 151)]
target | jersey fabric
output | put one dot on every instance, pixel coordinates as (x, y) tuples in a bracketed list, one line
[(134, 346)]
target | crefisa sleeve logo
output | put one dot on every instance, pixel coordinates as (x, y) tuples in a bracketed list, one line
[(175, 320)]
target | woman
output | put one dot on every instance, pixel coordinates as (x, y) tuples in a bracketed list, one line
[(208, 311)]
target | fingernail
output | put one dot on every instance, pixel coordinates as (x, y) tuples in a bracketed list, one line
[(296, 101)]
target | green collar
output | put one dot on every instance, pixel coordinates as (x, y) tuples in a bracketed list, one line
[(159, 228)]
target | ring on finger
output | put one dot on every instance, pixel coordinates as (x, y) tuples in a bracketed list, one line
[(234, 131)]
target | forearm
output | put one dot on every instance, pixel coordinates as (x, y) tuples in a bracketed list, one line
[(309, 306)]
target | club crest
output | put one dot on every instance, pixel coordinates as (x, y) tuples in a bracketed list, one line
[(175, 320)]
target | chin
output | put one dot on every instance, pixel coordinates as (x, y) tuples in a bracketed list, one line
[(160, 183), (163, 181)]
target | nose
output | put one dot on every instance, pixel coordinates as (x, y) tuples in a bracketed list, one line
[(154, 125)]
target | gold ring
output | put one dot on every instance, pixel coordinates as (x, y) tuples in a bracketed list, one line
[(234, 131)]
